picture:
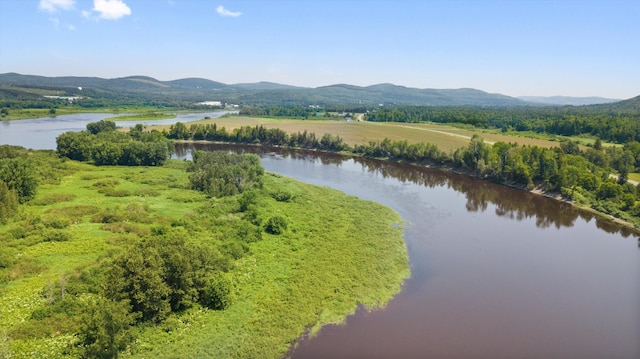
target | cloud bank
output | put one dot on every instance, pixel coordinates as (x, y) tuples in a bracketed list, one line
[(224, 12), (55, 5)]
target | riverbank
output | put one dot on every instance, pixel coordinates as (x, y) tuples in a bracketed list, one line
[(134, 113), (331, 258), (537, 188)]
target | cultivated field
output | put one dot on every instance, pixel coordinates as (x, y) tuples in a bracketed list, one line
[(447, 138)]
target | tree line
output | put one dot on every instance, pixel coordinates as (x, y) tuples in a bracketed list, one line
[(620, 126), (105, 146), (257, 135)]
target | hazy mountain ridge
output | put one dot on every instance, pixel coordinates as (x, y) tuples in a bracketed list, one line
[(261, 93), (568, 100)]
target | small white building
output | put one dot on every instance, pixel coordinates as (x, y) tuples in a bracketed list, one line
[(211, 103)]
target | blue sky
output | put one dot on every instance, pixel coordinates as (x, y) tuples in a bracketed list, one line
[(562, 47)]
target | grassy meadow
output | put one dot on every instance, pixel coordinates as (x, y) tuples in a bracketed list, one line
[(331, 258)]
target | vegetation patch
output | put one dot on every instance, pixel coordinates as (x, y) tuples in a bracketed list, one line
[(241, 273), (143, 116)]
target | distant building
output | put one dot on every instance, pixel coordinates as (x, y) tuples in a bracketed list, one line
[(211, 103), (68, 98)]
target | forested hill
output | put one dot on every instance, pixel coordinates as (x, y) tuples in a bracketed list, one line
[(144, 88), (630, 105)]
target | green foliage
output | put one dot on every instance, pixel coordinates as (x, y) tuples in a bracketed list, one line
[(220, 174), (282, 196), (106, 329), (276, 225), (108, 147), (8, 202), (101, 126), (615, 125), (158, 276), (217, 293), (19, 175), (172, 258)]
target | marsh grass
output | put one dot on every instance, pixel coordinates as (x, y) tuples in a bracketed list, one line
[(330, 258)]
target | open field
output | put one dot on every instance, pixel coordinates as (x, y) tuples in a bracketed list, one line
[(330, 258), (447, 138)]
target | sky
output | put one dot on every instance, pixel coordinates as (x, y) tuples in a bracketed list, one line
[(516, 47)]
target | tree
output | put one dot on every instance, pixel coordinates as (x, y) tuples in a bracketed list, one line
[(101, 126), (8, 202), (137, 276), (105, 329), (597, 145), (220, 174), (19, 175)]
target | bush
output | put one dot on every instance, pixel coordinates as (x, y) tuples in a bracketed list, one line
[(282, 196), (56, 222), (217, 294), (53, 198), (55, 235), (276, 225)]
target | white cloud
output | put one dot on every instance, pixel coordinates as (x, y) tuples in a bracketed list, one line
[(109, 9), (55, 5), (224, 12)]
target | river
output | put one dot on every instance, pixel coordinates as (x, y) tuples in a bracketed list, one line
[(495, 272), (41, 133)]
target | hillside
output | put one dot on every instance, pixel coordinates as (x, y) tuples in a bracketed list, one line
[(261, 93), (567, 100)]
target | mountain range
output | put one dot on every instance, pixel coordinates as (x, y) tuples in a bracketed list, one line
[(268, 93)]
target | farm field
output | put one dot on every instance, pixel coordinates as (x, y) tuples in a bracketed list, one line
[(447, 138)]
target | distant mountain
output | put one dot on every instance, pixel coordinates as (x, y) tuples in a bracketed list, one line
[(567, 100), (197, 83), (632, 104), (389, 94), (261, 93), (263, 85)]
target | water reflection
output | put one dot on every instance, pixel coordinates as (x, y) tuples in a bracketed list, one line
[(509, 203)]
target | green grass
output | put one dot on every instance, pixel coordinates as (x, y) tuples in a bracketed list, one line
[(68, 109), (634, 177), (331, 258)]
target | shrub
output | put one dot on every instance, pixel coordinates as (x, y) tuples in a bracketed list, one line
[(53, 198), (56, 222), (217, 294), (116, 193), (282, 196), (56, 235), (276, 225)]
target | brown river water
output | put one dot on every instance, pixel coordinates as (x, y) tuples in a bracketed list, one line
[(495, 272)]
